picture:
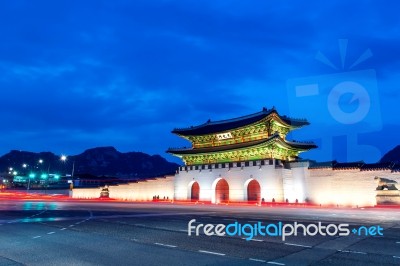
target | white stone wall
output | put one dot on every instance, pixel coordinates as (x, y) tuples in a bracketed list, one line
[(141, 191), (344, 187), (85, 193), (323, 186)]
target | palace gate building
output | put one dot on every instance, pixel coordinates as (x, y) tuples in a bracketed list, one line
[(240, 159), (250, 159)]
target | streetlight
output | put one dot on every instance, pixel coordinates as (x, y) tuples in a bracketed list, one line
[(44, 177), (24, 166), (31, 176), (64, 158)]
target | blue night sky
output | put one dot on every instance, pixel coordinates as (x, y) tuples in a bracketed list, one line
[(80, 74)]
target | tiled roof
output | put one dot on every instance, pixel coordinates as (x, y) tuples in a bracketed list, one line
[(316, 165), (377, 166), (336, 165), (394, 167), (224, 125), (298, 145)]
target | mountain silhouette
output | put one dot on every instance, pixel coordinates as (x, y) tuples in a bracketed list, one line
[(101, 161), (392, 155)]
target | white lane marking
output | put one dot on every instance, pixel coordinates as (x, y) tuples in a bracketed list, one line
[(229, 219), (298, 245), (183, 230), (275, 263), (213, 253), (62, 229), (396, 257), (257, 260), (50, 233), (351, 251), (71, 225), (165, 245), (398, 242), (254, 239), (78, 223), (36, 237)]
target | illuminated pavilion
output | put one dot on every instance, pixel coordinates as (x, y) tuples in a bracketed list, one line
[(254, 137), (257, 140)]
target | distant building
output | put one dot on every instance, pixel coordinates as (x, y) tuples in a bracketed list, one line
[(249, 159)]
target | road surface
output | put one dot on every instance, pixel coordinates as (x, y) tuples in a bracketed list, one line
[(112, 233)]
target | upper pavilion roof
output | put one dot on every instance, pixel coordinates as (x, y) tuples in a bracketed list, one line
[(289, 144), (229, 124)]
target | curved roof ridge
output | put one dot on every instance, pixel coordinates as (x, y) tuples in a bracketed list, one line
[(209, 122), (227, 124)]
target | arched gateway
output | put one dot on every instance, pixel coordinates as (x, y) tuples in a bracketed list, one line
[(195, 192), (222, 191), (253, 191)]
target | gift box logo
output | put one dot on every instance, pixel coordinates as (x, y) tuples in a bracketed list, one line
[(343, 105)]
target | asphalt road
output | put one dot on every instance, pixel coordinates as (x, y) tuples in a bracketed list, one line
[(106, 233)]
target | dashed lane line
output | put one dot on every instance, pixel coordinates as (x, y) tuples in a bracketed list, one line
[(50, 233), (211, 252), (36, 237), (351, 251), (259, 260), (275, 263), (253, 239), (298, 245), (165, 245)]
